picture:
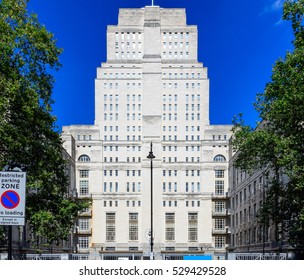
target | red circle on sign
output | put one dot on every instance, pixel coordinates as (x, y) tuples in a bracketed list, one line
[(10, 199)]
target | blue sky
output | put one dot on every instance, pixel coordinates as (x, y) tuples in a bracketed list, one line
[(239, 42)]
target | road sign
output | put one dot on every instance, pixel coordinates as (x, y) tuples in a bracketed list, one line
[(12, 198)]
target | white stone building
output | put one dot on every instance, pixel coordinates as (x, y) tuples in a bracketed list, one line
[(153, 90)]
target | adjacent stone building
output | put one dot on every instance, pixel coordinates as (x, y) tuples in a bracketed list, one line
[(247, 193)]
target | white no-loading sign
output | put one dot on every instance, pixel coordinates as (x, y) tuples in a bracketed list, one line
[(12, 198)]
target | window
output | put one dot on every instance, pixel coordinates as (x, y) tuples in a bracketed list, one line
[(133, 226), (220, 242), (170, 226), (192, 226), (86, 211), (83, 187), (219, 158), (84, 173), (111, 249), (170, 187), (193, 248), (169, 249), (110, 226), (219, 224), (83, 224), (219, 173), (84, 158), (219, 187), (83, 242), (219, 207)]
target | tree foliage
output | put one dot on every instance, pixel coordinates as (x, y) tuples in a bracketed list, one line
[(277, 144), (28, 53)]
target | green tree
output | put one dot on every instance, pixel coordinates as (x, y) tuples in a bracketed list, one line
[(28, 53), (277, 144)]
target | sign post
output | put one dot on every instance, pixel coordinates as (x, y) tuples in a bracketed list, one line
[(12, 198), (12, 202)]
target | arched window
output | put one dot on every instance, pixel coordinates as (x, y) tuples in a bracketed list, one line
[(219, 158), (84, 158)]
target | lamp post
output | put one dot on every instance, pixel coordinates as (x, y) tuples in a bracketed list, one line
[(151, 157)]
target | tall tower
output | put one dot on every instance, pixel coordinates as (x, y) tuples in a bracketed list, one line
[(153, 90)]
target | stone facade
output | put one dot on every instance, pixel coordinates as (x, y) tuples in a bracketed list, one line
[(153, 90), (247, 193)]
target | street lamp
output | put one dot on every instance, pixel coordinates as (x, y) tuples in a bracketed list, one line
[(151, 157)]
